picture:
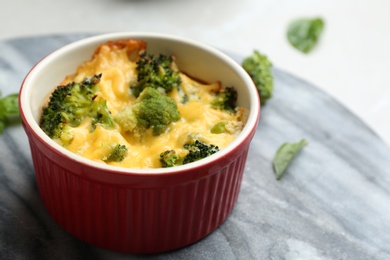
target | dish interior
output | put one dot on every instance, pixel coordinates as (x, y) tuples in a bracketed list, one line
[(198, 61)]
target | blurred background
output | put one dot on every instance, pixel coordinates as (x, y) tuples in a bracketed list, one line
[(350, 63)]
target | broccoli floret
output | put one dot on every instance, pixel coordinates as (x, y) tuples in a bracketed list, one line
[(9, 111), (156, 72), (170, 158), (70, 104), (196, 151), (258, 67), (225, 99), (117, 154), (152, 109)]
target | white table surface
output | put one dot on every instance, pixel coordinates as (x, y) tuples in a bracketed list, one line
[(351, 63)]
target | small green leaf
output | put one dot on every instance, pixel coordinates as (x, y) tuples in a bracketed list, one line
[(284, 156), (304, 33)]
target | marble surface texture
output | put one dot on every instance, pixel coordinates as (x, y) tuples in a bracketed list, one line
[(333, 202)]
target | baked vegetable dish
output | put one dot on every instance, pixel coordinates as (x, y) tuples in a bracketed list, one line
[(131, 108)]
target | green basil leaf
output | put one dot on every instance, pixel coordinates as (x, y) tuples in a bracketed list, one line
[(284, 156), (304, 33)]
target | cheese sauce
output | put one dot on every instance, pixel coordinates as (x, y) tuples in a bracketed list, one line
[(116, 63)]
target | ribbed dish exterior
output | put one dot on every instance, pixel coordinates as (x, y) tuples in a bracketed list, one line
[(127, 218)]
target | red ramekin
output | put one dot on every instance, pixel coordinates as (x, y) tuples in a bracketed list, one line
[(137, 210)]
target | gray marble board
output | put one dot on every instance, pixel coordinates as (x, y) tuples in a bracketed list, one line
[(333, 202)]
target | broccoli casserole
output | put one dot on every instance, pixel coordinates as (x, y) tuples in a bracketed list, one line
[(133, 109)]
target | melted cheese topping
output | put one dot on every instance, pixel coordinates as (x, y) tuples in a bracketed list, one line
[(114, 61)]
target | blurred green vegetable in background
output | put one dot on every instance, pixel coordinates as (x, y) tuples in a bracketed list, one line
[(9, 111), (258, 66), (304, 33)]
